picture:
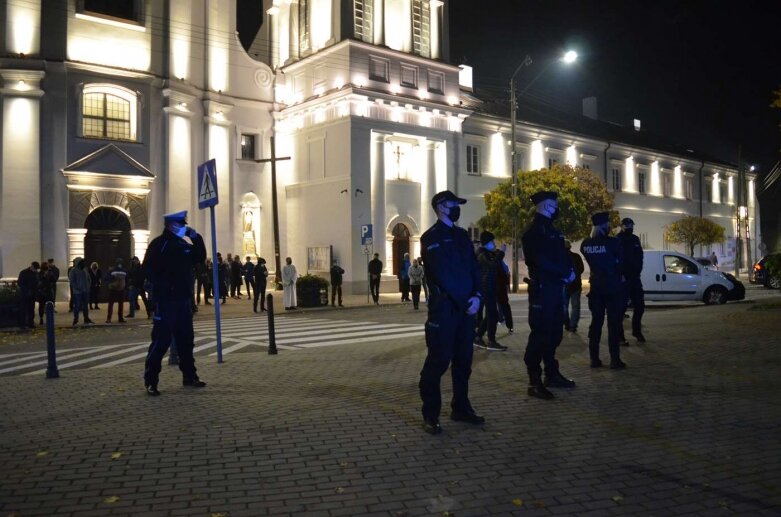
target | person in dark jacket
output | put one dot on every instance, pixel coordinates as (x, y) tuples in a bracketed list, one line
[(336, 283), (27, 285), (453, 277), (223, 277), (136, 280), (632, 253), (55, 272), (201, 279), (79, 280), (168, 265), (603, 254), (550, 269), (247, 272), (95, 281), (404, 277), (235, 277), (45, 293), (573, 291), (117, 290), (503, 294), (375, 273), (260, 274), (488, 316)]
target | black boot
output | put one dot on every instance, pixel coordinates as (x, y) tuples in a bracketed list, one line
[(557, 380), (537, 389)]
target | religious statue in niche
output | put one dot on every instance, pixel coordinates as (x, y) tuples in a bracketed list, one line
[(248, 225)]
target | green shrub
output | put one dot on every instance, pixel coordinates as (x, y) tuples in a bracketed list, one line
[(8, 293), (309, 281), (773, 265)]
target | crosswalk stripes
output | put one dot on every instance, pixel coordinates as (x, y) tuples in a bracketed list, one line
[(237, 334)]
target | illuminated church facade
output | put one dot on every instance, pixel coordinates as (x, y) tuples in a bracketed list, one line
[(109, 107)]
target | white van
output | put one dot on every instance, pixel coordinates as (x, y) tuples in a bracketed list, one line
[(669, 275)]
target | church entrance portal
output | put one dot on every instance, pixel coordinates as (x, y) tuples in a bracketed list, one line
[(107, 239), (400, 245)]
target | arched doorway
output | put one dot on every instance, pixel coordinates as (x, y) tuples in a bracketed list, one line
[(400, 245), (107, 239)]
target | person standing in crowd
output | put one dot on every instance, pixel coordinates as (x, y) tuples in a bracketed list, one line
[(201, 279), (27, 285), (423, 284), (573, 291), (404, 277), (488, 257), (550, 268), (261, 277), (416, 279), (45, 291), (168, 265), (79, 279), (247, 271), (714, 260), (453, 277), (632, 256), (235, 276), (503, 293), (289, 279), (208, 281), (336, 283), (223, 274), (95, 281), (136, 288), (55, 272), (603, 254), (375, 273), (117, 285)]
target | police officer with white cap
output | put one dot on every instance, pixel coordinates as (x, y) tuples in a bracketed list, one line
[(603, 254), (550, 268), (168, 265), (453, 277)]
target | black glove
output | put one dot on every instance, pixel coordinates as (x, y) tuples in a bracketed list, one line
[(190, 232)]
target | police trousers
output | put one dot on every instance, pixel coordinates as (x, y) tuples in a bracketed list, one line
[(546, 319), (449, 336), (599, 303), (172, 319)]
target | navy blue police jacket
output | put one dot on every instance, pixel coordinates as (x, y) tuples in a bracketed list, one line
[(169, 263), (603, 254), (451, 269), (632, 252), (544, 252)]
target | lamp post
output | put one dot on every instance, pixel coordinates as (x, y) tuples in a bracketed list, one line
[(567, 58)]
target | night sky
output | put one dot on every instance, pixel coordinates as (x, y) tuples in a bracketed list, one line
[(699, 73)]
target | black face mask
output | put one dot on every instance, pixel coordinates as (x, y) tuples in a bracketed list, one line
[(555, 214), (630, 231), (455, 213)]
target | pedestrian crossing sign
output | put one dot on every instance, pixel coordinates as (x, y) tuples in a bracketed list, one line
[(207, 184)]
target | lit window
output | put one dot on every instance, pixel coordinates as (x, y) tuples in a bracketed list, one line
[(421, 28), (641, 182), (473, 159), (616, 180), (363, 16), (247, 147), (108, 112), (125, 10), (552, 162)]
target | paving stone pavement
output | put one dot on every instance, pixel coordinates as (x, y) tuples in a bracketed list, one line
[(691, 428)]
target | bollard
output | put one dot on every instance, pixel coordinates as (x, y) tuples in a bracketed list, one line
[(51, 369), (272, 340)]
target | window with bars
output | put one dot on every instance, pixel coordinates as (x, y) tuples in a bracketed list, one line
[(421, 27), (688, 186), (641, 182), (709, 191), (247, 147), (363, 16), (473, 159), (105, 115), (616, 179), (667, 185), (474, 233)]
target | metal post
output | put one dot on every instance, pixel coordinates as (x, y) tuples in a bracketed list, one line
[(216, 287), (514, 172), (272, 339), (51, 369), (737, 218)]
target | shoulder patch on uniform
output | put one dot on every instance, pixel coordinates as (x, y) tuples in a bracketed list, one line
[(432, 246)]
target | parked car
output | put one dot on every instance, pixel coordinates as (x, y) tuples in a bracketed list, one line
[(669, 275), (706, 263), (761, 275)]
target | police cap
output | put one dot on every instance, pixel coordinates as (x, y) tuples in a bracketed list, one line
[(600, 218), (446, 195), (486, 237), (176, 217), (542, 195), (626, 221)]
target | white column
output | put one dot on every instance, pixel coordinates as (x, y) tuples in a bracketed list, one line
[(219, 147), (273, 36), (140, 243), (378, 190), (379, 22), (20, 173), (436, 30), (75, 243), (429, 187), (23, 27)]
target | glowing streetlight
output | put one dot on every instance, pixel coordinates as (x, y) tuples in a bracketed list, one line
[(569, 57)]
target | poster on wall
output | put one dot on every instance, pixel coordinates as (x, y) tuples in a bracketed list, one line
[(318, 259)]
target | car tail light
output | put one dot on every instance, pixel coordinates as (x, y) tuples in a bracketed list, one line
[(757, 267)]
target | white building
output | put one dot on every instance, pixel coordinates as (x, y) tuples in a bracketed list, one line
[(108, 108)]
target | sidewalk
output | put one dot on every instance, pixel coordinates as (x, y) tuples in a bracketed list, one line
[(690, 428)]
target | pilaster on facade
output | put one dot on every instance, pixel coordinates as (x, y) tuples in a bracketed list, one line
[(21, 83)]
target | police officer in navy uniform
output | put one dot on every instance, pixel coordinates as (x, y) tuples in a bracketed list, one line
[(168, 265), (603, 254), (550, 269), (632, 253), (453, 277)]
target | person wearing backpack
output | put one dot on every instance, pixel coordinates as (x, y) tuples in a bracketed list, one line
[(117, 286)]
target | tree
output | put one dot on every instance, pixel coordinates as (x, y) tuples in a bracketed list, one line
[(581, 193), (693, 231)]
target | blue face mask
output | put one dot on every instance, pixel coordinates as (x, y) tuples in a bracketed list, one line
[(490, 246)]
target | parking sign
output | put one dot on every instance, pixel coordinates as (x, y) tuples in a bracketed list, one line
[(366, 234)]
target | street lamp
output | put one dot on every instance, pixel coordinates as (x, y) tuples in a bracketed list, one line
[(568, 58)]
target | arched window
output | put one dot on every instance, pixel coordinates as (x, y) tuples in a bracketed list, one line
[(109, 111)]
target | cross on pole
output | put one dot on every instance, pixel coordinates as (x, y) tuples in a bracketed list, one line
[(275, 209)]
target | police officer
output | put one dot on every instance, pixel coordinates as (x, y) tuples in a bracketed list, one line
[(550, 268), (632, 253), (453, 277), (603, 254), (168, 265)]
